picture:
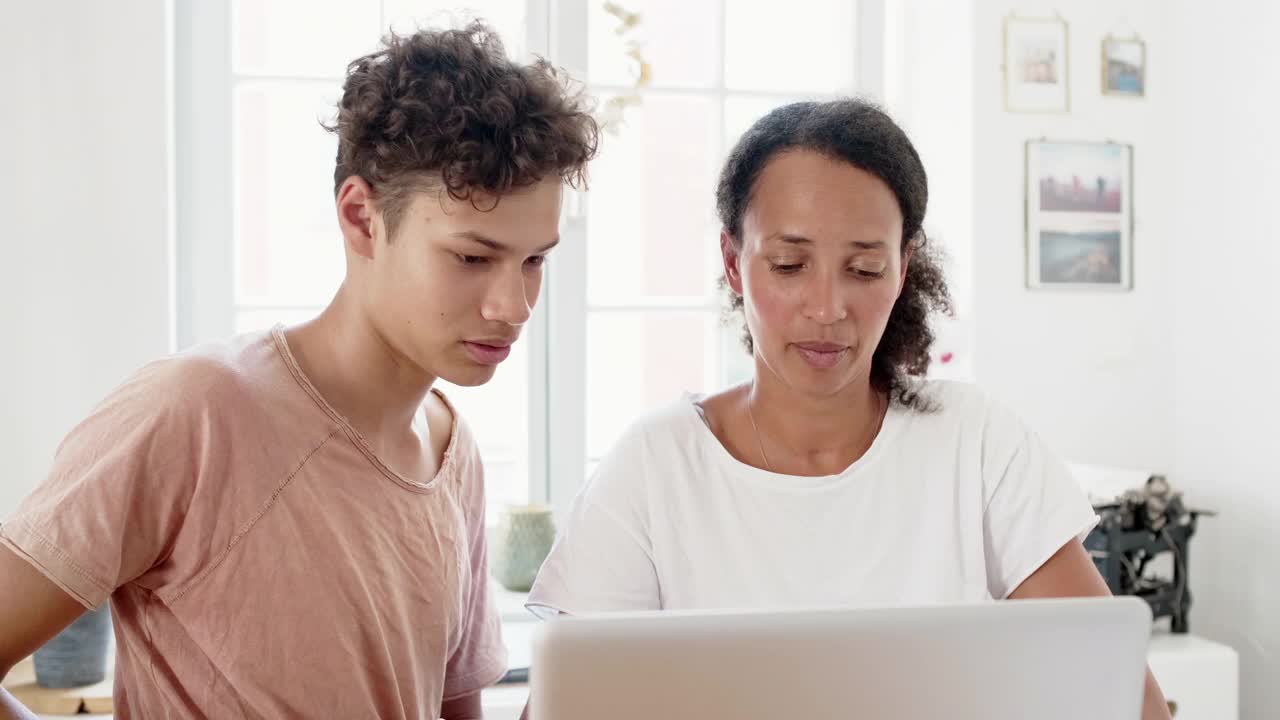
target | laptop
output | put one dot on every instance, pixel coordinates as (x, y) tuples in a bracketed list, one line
[(1044, 659)]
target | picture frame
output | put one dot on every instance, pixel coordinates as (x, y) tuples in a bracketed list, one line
[(1037, 68), (1079, 215), (1124, 66)]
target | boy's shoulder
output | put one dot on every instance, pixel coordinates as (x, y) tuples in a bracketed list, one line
[(229, 383), (209, 374)]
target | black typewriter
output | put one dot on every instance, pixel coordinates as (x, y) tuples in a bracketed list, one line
[(1136, 529)]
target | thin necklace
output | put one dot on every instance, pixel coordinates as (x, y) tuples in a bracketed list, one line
[(751, 414), (760, 442)]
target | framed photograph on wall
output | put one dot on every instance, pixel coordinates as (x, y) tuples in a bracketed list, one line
[(1036, 71), (1079, 215), (1124, 66)]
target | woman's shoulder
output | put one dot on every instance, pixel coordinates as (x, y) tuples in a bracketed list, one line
[(652, 449), (949, 411), (673, 423)]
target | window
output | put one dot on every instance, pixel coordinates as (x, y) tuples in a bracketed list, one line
[(653, 306), (630, 315)]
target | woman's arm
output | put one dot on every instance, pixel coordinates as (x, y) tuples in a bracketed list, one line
[(1071, 573)]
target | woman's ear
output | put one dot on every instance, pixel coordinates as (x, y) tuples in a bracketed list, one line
[(729, 251)]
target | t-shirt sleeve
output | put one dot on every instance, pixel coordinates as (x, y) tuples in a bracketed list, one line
[(481, 657), (602, 560), (113, 501), (1033, 505)]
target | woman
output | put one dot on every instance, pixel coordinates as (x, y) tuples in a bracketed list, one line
[(837, 475)]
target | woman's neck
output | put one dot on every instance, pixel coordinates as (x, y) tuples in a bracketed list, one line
[(803, 434)]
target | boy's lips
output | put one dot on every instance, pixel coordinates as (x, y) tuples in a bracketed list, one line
[(489, 351)]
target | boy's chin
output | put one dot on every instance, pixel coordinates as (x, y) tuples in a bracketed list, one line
[(467, 374)]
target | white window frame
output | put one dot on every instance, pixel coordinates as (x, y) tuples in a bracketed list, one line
[(556, 337)]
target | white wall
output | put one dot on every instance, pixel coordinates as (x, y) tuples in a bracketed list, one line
[(1227, 341), (1176, 375), (84, 285), (1091, 372)]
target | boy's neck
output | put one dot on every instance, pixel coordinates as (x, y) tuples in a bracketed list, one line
[(377, 390)]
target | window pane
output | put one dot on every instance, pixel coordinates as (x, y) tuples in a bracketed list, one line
[(741, 111), (288, 246), (736, 364), (639, 361), (797, 46), (504, 16), (678, 39), (615, 401), (262, 319), (651, 223), (302, 37)]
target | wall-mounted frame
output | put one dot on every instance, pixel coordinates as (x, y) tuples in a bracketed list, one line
[(1036, 68), (1079, 215), (1124, 66)]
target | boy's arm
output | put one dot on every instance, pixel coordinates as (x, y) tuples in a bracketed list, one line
[(32, 610), (466, 707)]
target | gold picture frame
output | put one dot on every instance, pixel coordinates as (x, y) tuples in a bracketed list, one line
[(1124, 66), (1037, 67)]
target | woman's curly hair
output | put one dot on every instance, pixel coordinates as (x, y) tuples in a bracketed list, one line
[(448, 108), (861, 134)]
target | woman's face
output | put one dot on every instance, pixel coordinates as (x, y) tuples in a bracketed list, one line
[(819, 267)]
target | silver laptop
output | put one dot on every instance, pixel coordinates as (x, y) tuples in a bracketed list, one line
[(1044, 659)]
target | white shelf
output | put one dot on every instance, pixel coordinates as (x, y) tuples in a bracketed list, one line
[(1200, 676)]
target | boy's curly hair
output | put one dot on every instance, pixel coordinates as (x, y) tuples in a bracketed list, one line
[(861, 134), (448, 109)]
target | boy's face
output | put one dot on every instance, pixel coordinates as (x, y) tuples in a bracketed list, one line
[(452, 289)]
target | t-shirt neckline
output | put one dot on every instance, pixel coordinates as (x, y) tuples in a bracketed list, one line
[(895, 415), (446, 463)]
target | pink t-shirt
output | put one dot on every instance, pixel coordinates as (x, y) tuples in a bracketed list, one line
[(261, 561)]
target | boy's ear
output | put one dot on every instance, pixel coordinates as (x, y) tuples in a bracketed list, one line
[(358, 216)]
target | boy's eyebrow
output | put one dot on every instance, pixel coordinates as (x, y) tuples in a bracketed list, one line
[(497, 246)]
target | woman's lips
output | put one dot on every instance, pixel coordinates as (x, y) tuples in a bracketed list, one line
[(822, 355)]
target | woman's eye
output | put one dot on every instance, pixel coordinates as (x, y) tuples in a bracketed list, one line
[(868, 269), (472, 259), (787, 268), (536, 261)]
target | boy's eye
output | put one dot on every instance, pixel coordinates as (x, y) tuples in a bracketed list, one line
[(536, 260), (472, 259)]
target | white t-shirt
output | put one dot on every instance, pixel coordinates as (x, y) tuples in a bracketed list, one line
[(952, 506)]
